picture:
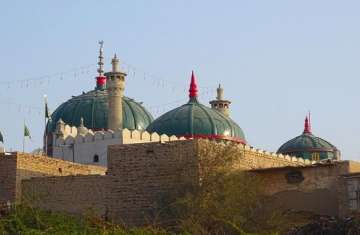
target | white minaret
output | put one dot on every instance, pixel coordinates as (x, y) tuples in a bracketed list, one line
[(220, 104), (115, 85)]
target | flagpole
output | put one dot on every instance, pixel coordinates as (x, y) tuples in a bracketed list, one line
[(24, 137), (45, 98)]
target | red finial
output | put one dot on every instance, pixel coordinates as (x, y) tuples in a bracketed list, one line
[(307, 128), (193, 87), (100, 81)]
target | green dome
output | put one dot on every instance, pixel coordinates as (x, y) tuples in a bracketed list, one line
[(309, 146), (93, 107), (194, 120)]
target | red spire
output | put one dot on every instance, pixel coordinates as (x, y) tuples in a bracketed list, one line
[(307, 128), (193, 87)]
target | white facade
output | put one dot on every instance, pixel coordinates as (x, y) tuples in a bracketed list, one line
[(84, 146)]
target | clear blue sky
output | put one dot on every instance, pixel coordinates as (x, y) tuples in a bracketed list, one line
[(275, 59)]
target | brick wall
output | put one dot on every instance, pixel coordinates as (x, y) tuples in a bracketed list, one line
[(141, 176), (14, 167), (71, 194), (7, 178)]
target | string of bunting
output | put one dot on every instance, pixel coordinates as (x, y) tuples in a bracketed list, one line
[(46, 79), (88, 70)]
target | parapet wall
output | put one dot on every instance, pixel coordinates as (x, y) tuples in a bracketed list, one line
[(82, 145), (88, 147), (251, 158), (126, 136)]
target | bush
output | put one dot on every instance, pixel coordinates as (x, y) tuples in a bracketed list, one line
[(22, 219), (227, 200)]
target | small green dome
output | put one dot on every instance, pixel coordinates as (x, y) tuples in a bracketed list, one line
[(194, 120), (93, 108), (309, 146)]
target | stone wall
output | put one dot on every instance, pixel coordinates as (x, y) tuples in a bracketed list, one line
[(71, 194)]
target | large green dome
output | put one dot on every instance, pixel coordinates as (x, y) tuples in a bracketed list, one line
[(309, 146), (194, 120), (93, 108)]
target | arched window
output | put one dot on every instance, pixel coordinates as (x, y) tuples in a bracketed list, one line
[(96, 158)]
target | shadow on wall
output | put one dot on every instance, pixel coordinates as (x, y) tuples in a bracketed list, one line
[(319, 201)]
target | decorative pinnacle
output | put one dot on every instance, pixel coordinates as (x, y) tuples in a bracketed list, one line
[(100, 70), (307, 126), (193, 91), (220, 93), (115, 64)]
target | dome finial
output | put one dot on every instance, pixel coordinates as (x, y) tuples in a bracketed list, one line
[(101, 79), (307, 126), (193, 86), (100, 70)]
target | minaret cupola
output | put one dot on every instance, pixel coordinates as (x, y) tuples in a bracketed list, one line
[(220, 104)]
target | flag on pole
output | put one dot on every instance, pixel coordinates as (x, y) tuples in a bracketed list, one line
[(47, 112), (26, 132)]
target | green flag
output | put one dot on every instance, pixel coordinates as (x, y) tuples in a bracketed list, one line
[(26, 132), (47, 112)]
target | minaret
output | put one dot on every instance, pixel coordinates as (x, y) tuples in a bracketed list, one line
[(115, 86), (220, 104), (101, 79)]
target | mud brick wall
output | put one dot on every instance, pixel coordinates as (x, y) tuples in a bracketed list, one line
[(7, 178), (317, 188), (15, 167), (142, 176), (71, 194)]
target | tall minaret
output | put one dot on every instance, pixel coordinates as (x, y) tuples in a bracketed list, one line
[(220, 104), (115, 86), (101, 79)]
